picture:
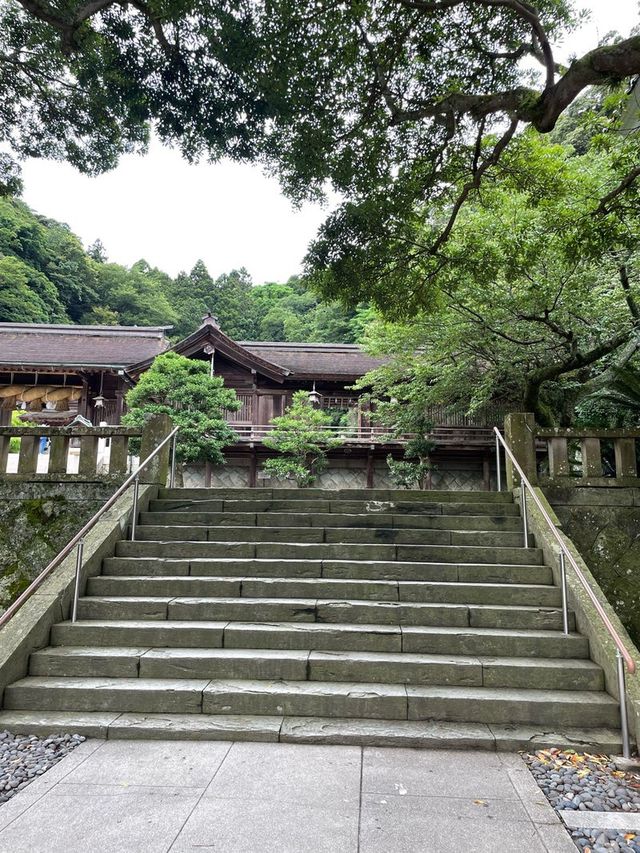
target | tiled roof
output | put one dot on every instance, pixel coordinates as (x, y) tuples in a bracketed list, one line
[(33, 344), (316, 360)]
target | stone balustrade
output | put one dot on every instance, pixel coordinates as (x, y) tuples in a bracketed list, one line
[(594, 456), (72, 452)]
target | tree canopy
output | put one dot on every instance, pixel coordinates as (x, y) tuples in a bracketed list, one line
[(195, 401), (47, 277), (537, 305), (393, 96)]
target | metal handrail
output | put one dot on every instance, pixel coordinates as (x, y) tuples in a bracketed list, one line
[(622, 654), (78, 539)]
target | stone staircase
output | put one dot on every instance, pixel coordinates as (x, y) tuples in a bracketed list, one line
[(381, 617)]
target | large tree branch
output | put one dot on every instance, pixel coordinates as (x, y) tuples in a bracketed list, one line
[(525, 11), (632, 305), (624, 184), (68, 25), (473, 184)]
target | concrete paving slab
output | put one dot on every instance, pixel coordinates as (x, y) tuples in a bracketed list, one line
[(435, 774), (140, 822), (623, 821), (290, 773), (420, 825), (254, 826), (159, 796), (152, 763)]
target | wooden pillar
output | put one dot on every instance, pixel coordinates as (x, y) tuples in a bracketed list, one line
[(253, 469), (119, 406), (625, 451), (370, 469), (486, 473), (83, 402)]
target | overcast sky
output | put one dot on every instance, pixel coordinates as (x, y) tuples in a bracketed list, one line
[(159, 208)]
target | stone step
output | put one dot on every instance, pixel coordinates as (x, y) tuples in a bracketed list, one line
[(328, 551), (534, 595), (355, 520), (487, 642), (505, 573), (319, 730), (301, 665), (330, 535), (198, 494), (413, 702), (315, 699), (327, 611), (330, 504)]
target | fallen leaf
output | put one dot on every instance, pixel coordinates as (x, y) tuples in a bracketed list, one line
[(480, 803)]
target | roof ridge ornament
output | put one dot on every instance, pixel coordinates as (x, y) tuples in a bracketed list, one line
[(210, 319)]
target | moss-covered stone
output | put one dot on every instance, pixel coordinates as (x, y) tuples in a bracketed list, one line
[(608, 537), (34, 529)]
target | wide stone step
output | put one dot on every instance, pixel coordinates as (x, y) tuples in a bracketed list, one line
[(197, 494), (301, 665), (328, 551), (315, 699), (413, 702), (330, 535), (320, 610), (429, 734), (355, 520), (486, 642), (436, 572), (535, 595), (329, 504)]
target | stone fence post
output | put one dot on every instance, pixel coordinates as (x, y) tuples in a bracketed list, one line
[(519, 433), (154, 430)]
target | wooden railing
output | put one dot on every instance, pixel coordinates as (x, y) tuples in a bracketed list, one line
[(81, 451), (442, 436), (588, 454)]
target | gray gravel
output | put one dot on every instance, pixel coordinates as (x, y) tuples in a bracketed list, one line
[(600, 840), (583, 782), (25, 757)]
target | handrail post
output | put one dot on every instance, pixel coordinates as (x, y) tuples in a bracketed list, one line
[(172, 474), (76, 588), (624, 720), (134, 519), (563, 585), (498, 468), (523, 507)]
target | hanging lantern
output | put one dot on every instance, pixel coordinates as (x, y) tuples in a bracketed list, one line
[(314, 396)]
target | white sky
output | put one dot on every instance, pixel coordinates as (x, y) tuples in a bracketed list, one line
[(160, 208)]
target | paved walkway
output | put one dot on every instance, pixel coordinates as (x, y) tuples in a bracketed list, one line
[(179, 796)]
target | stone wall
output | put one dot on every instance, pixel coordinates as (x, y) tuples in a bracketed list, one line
[(36, 520), (604, 524)]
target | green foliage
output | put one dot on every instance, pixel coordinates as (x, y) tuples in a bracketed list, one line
[(301, 436), (537, 294), (408, 475), (196, 402), (46, 277)]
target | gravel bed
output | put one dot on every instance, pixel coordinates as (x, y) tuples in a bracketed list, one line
[(579, 781), (600, 840), (25, 757)]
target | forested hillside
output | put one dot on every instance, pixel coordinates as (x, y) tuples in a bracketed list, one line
[(46, 276)]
